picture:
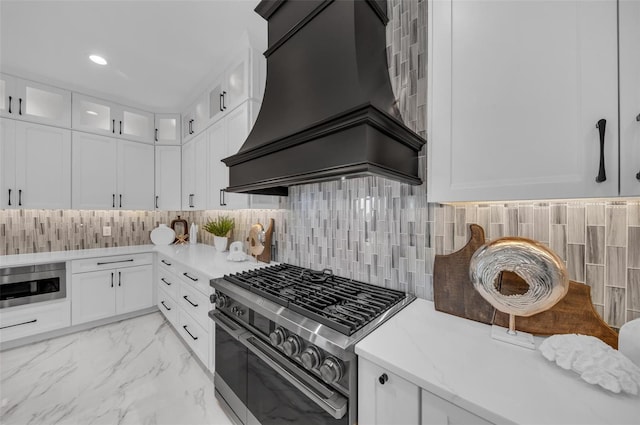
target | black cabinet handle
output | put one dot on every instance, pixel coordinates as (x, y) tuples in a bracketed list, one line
[(120, 200), (383, 378), (156, 137), (20, 197), (119, 278), (156, 201), (101, 263), (9, 197), (10, 99), (165, 306), (164, 262), (165, 281), (220, 102), (120, 127), (112, 279), (602, 175), (192, 278), (20, 324), (191, 196), (221, 201), (224, 97), (638, 118), (189, 301), (20, 106), (187, 330), (191, 126), (113, 200), (113, 126)]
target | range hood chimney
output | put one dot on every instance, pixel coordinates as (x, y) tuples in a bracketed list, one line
[(328, 111)]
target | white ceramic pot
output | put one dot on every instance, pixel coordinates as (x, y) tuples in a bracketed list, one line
[(220, 242), (162, 235)]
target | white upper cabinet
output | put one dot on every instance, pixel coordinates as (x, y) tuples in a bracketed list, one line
[(518, 88), (629, 13), (195, 118), (168, 173), (195, 173), (108, 118), (36, 165), (111, 174), (168, 129), (232, 87), (31, 101)]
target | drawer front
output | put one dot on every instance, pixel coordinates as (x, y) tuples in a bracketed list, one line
[(169, 282), (167, 264), (195, 335), (34, 319), (168, 306), (106, 263), (195, 304), (195, 280)]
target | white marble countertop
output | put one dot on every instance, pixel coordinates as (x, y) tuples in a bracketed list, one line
[(199, 257), (457, 360)]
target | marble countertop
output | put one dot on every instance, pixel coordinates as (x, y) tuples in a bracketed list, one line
[(457, 360), (199, 257)]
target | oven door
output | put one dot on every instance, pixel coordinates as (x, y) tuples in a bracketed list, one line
[(279, 392), (26, 285), (230, 378)]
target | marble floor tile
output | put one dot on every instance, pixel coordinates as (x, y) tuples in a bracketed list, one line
[(136, 371)]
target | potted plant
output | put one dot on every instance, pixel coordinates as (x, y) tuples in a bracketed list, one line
[(221, 228)]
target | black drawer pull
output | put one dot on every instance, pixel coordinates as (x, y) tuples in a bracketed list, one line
[(185, 328), (383, 378), (10, 105), (20, 107), (192, 278), (112, 279), (20, 324), (119, 278), (602, 174), (164, 262), (113, 126), (114, 262), (165, 306), (166, 282), (156, 201), (189, 301), (20, 197), (9, 197)]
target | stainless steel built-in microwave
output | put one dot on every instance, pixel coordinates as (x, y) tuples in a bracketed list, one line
[(30, 284)]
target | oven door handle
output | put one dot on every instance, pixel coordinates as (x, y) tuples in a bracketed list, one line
[(231, 328), (334, 404)]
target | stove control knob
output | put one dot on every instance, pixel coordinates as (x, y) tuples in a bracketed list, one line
[(221, 301), (310, 358), (292, 346), (278, 336), (331, 370)]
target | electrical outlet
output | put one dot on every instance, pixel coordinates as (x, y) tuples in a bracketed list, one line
[(106, 230)]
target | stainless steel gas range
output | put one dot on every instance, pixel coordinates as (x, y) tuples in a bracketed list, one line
[(284, 343)]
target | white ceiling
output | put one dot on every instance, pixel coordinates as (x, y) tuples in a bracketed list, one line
[(160, 53)]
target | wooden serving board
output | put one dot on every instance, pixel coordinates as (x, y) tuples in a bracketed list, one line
[(453, 293)]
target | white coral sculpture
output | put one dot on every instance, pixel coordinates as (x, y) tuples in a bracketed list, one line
[(595, 362)]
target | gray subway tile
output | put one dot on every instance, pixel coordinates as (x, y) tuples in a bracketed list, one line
[(575, 262), (595, 245), (614, 308), (634, 247), (616, 263), (633, 289)]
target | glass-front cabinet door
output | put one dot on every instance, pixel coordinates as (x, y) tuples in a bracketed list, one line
[(136, 125), (167, 131), (94, 115), (35, 102)]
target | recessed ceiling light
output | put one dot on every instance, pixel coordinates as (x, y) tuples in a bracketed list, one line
[(92, 112), (98, 59)]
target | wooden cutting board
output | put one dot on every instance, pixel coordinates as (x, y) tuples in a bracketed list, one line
[(453, 293)]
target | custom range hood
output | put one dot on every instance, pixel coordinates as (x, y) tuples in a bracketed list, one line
[(328, 110)]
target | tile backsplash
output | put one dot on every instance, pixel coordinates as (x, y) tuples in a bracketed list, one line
[(382, 231)]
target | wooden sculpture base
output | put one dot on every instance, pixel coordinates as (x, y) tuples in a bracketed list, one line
[(453, 293)]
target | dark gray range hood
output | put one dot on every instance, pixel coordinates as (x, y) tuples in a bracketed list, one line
[(328, 110)]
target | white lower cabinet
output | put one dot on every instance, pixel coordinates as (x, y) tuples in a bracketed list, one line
[(26, 320), (436, 411), (387, 399), (104, 293), (183, 297), (384, 398)]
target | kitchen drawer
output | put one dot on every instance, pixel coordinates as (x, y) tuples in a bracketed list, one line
[(169, 282), (195, 304), (195, 335), (21, 321), (106, 263), (168, 306), (194, 280), (167, 264)]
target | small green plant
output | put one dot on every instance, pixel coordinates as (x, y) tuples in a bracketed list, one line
[(221, 226)]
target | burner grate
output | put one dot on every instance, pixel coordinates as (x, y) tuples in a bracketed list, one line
[(344, 305)]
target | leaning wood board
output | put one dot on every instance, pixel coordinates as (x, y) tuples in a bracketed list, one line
[(453, 293)]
